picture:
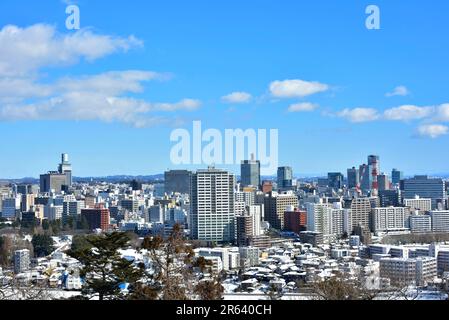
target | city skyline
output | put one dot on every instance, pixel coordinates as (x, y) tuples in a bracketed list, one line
[(334, 88)]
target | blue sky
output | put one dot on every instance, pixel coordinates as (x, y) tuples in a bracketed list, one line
[(175, 60)]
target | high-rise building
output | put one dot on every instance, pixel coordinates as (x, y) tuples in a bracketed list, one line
[(25, 189), (335, 180), (53, 181), (295, 220), (353, 178), (65, 168), (136, 185), (72, 209), (97, 218), (365, 178), (10, 207), (156, 214), (21, 261), (361, 212), (212, 206), (418, 204), (131, 205), (420, 223), (440, 221), (390, 219), (384, 182), (319, 218), (27, 202), (250, 173), (244, 229), (285, 178), (276, 205), (425, 187), (177, 181), (390, 198), (396, 176), (52, 212)]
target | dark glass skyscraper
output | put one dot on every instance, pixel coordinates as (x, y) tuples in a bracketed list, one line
[(353, 178), (396, 176), (335, 180), (250, 173), (285, 177)]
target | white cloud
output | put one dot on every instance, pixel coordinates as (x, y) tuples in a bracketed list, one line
[(296, 88), (408, 112), (26, 50), (303, 107), (399, 91), (433, 130), (90, 105), (359, 115), (237, 97), (186, 105), (443, 112)]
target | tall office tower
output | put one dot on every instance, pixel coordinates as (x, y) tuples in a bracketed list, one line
[(335, 180), (10, 208), (25, 189), (390, 198), (65, 168), (353, 178), (97, 218), (212, 205), (250, 173), (21, 261), (27, 202), (177, 181), (384, 182), (374, 164), (365, 178), (285, 178), (396, 176), (275, 207), (136, 185), (361, 212), (53, 181), (425, 187)]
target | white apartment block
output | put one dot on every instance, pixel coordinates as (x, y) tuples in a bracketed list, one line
[(331, 220), (419, 204), (403, 271), (222, 253), (21, 261), (440, 221), (390, 219), (420, 223), (256, 211)]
